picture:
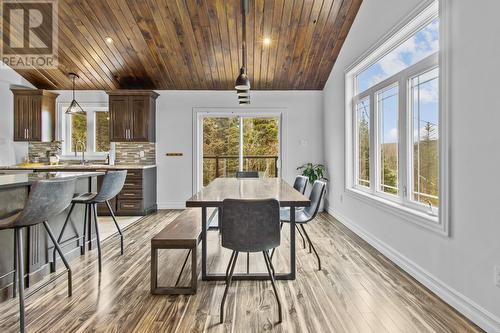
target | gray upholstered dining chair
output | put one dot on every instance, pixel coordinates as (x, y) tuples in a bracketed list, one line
[(304, 216), (250, 226), (112, 184), (300, 183), (247, 174), (47, 198)]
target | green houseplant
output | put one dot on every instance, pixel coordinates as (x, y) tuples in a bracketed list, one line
[(313, 172)]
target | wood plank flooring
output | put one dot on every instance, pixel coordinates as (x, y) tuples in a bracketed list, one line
[(358, 290)]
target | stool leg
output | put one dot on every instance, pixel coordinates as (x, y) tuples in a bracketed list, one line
[(303, 240), (312, 246), (117, 226), (273, 250), (228, 283), (59, 239), (82, 247), (20, 271), (14, 282), (94, 207), (61, 254), (271, 275), (89, 227)]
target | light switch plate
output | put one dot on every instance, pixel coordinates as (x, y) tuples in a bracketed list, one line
[(141, 153)]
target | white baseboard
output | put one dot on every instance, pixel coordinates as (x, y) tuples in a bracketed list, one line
[(480, 316), (172, 205)]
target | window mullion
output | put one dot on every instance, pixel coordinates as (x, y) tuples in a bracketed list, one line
[(403, 136), (373, 145)]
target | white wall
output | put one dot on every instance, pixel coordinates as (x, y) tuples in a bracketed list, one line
[(303, 115), (459, 268), (303, 112), (10, 152)]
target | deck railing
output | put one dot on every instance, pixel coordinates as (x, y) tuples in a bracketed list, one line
[(227, 165)]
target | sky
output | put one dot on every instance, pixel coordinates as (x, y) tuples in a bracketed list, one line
[(422, 44)]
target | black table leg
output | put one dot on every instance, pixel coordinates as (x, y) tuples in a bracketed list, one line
[(292, 243), (204, 243)]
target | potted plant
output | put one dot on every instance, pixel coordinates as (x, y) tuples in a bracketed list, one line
[(314, 172)]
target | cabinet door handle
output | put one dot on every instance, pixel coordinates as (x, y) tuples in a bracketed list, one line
[(27, 133)]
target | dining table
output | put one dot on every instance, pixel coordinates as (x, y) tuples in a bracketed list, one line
[(213, 195)]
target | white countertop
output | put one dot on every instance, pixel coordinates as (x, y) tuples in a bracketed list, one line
[(77, 167)]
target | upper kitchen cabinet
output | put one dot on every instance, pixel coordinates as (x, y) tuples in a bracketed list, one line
[(34, 115), (132, 115)]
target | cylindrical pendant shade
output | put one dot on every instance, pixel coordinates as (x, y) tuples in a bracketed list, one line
[(242, 82)]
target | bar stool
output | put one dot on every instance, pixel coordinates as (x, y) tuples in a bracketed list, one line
[(112, 184), (250, 226), (47, 199), (306, 215)]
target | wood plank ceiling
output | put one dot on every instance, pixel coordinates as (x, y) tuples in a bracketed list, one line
[(196, 44)]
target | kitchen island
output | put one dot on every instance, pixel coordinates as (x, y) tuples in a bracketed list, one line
[(137, 198), (14, 190)]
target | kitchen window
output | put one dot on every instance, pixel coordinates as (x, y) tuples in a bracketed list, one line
[(88, 131), (393, 119)]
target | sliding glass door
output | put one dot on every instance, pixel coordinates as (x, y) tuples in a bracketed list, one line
[(231, 143)]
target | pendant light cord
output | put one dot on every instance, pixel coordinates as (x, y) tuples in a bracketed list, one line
[(244, 10)]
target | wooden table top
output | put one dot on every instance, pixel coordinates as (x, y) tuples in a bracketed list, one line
[(248, 188)]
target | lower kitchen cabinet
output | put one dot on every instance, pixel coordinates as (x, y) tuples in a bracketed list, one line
[(138, 196)]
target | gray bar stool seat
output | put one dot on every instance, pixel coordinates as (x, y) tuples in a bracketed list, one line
[(83, 198), (47, 198), (306, 215), (112, 184), (250, 226)]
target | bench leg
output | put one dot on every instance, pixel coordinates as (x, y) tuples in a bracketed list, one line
[(191, 290), (194, 271), (154, 269), (182, 269)]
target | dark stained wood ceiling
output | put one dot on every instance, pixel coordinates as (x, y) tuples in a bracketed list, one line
[(196, 44)]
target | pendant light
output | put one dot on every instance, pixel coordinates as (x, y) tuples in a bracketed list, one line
[(74, 107), (242, 84)]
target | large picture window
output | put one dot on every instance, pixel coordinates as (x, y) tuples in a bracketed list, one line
[(394, 146)]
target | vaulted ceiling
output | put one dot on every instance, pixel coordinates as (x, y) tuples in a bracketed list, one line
[(196, 44)]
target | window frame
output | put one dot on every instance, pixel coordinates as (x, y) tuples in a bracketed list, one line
[(400, 205), (64, 134)]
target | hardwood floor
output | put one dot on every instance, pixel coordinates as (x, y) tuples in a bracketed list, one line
[(358, 290)]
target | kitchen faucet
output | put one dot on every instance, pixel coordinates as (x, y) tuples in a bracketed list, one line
[(82, 146)]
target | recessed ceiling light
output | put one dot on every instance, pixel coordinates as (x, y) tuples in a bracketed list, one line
[(266, 41), (108, 40)]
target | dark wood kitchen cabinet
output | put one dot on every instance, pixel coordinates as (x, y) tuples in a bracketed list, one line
[(138, 196), (132, 115), (34, 115)]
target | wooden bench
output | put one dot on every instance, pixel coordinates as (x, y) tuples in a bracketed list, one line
[(184, 232)]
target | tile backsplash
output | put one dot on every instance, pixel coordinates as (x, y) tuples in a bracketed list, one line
[(135, 153), (125, 152), (38, 150)]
